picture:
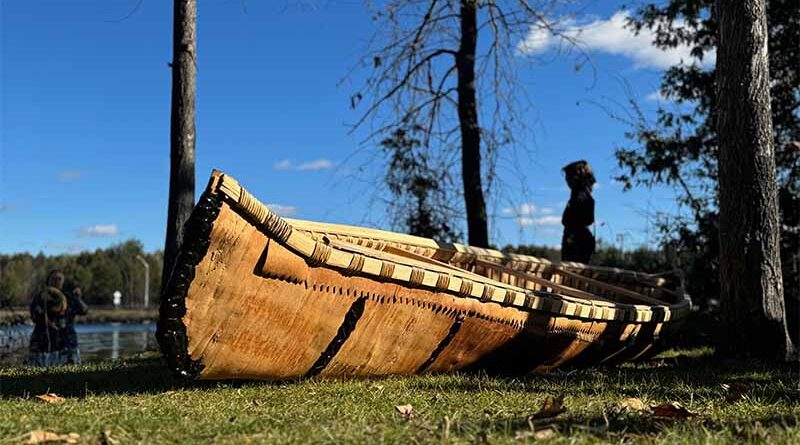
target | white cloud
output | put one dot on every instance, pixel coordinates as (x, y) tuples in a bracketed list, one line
[(317, 164), (282, 165), (546, 220), (100, 230), (528, 214), (524, 209), (283, 210), (69, 175), (538, 40), (656, 96), (611, 36)]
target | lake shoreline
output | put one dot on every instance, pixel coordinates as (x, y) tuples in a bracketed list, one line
[(95, 315)]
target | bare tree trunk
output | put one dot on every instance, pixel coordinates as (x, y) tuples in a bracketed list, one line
[(182, 129), (477, 226), (750, 267)]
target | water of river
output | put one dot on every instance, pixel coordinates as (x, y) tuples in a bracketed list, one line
[(97, 342)]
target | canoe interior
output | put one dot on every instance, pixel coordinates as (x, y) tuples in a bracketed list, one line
[(254, 296)]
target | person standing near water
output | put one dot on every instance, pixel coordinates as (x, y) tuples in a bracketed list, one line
[(578, 243), (70, 354), (48, 309)]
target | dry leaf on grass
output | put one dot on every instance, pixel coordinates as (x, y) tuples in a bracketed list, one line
[(50, 398), (407, 411), (672, 410), (105, 438), (539, 434), (734, 391), (42, 436), (632, 404), (551, 407)]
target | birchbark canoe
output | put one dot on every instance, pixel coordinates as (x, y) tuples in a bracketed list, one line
[(257, 296)]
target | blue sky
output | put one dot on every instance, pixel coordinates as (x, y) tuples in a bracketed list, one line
[(84, 154)]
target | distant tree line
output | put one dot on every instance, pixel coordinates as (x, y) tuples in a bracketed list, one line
[(642, 259), (98, 274)]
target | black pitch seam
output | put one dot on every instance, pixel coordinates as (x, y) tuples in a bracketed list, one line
[(347, 327), (442, 344)]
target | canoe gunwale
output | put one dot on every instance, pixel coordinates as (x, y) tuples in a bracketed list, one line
[(319, 253)]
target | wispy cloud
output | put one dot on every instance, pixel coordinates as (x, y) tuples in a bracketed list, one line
[(528, 214), (100, 230), (283, 210), (70, 175), (317, 164), (284, 164), (524, 209), (313, 165), (5, 207), (546, 220), (612, 36), (65, 247), (657, 96)]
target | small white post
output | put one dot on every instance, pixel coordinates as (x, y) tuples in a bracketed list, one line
[(146, 280)]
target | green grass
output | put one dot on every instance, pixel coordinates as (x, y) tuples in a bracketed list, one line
[(140, 402)]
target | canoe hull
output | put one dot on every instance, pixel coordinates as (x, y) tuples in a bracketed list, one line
[(241, 304)]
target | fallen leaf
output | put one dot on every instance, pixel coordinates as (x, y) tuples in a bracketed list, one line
[(734, 391), (672, 410), (105, 438), (539, 434), (50, 398), (522, 434), (551, 407), (546, 433), (407, 411), (42, 436), (631, 404)]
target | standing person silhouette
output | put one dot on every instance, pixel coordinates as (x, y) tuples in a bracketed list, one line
[(70, 354), (578, 243), (48, 310)]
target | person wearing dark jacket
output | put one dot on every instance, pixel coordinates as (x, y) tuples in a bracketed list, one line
[(48, 309), (70, 354), (578, 243)]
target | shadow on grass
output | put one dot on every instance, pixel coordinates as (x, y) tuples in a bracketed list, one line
[(615, 426), (143, 375), (675, 377), (127, 377)]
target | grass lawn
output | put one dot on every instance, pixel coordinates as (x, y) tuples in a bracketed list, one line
[(138, 401)]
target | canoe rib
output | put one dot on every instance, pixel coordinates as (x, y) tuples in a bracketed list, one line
[(254, 295)]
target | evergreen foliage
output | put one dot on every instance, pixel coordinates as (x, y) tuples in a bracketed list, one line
[(97, 273)]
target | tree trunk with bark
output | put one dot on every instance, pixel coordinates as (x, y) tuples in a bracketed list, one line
[(750, 268), (182, 129), (477, 225)]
